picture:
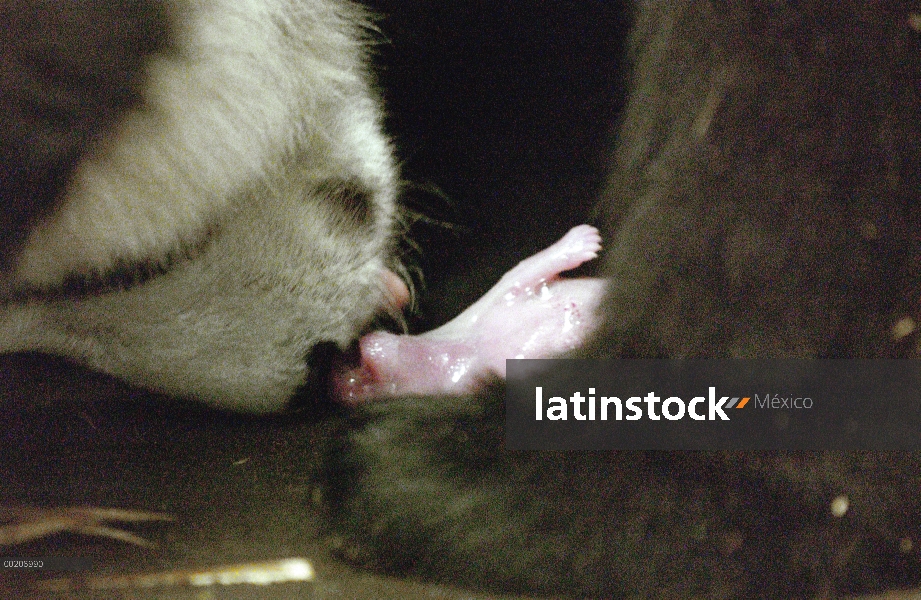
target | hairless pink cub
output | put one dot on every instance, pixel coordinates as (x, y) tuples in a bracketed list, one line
[(530, 313)]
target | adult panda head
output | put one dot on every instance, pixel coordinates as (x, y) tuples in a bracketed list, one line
[(194, 194)]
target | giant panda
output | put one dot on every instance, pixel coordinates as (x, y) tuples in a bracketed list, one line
[(199, 196), (196, 194)]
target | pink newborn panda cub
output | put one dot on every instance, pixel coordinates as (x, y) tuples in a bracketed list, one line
[(531, 313)]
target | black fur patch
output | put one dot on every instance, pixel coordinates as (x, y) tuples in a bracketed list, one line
[(763, 202), (68, 72)]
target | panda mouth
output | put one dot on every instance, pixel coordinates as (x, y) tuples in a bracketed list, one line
[(328, 365), (350, 377)]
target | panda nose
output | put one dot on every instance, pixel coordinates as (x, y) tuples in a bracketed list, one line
[(397, 292)]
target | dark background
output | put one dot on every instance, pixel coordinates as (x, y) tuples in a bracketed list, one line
[(501, 114)]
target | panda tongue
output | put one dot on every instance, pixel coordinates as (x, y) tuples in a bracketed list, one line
[(530, 313)]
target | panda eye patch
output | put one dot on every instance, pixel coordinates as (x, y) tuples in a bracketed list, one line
[(350, 198)]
